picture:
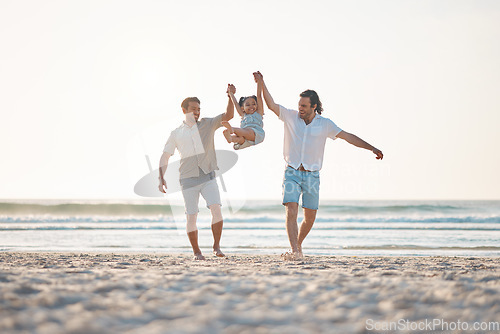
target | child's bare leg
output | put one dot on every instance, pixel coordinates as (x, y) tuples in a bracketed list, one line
[(228, 126), (228, 132), (248, 134), (239, 134), (227, 135), (232, 138), (238, 139)]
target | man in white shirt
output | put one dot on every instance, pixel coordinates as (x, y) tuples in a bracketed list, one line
[(306, 132), (194, 140)]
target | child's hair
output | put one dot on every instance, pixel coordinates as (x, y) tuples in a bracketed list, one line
[(244, 98)]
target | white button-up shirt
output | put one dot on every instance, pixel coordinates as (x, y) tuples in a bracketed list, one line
[(196, 146), (305, 143)]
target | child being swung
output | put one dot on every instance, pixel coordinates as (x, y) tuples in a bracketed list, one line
[(251, 110)]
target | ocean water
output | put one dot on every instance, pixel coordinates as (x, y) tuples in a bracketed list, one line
[(451, 228)]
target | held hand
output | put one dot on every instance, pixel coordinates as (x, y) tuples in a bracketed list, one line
[(258, 77), (162, 186), (231, 89), (378, 153)]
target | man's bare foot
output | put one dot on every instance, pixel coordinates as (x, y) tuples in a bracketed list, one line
[(227, 135), (291, 256), (198, 256), (218, 252)]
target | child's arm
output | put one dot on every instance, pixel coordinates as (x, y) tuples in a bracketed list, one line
[(260, 101), (230, 92)]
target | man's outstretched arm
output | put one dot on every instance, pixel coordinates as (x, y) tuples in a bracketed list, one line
[(259, 79), (231, 90), (356, 141)]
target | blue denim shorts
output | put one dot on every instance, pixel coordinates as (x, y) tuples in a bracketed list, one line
[(296, 182)]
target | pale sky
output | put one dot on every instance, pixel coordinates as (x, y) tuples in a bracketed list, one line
[(88, 88)]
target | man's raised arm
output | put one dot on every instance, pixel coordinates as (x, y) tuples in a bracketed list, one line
[(259, 79), (356, 141), (231, 90), (230, 107)]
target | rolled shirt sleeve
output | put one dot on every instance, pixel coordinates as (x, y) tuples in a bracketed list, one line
[(286, 114), (216, 122), (332, 130), (170, 144)]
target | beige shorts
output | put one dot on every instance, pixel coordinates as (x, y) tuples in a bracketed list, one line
[(210, 192)]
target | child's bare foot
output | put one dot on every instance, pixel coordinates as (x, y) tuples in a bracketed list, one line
[(227, 135), (228, 126)]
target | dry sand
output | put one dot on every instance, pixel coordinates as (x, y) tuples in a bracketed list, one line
[(164, 293)]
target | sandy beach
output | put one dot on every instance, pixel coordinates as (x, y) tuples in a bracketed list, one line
[(171, 293)]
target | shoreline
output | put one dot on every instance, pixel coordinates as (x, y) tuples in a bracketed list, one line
[(95, 292), (230, 252)]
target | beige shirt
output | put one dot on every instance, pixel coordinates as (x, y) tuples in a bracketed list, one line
[(196, 146), (305, 143)]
